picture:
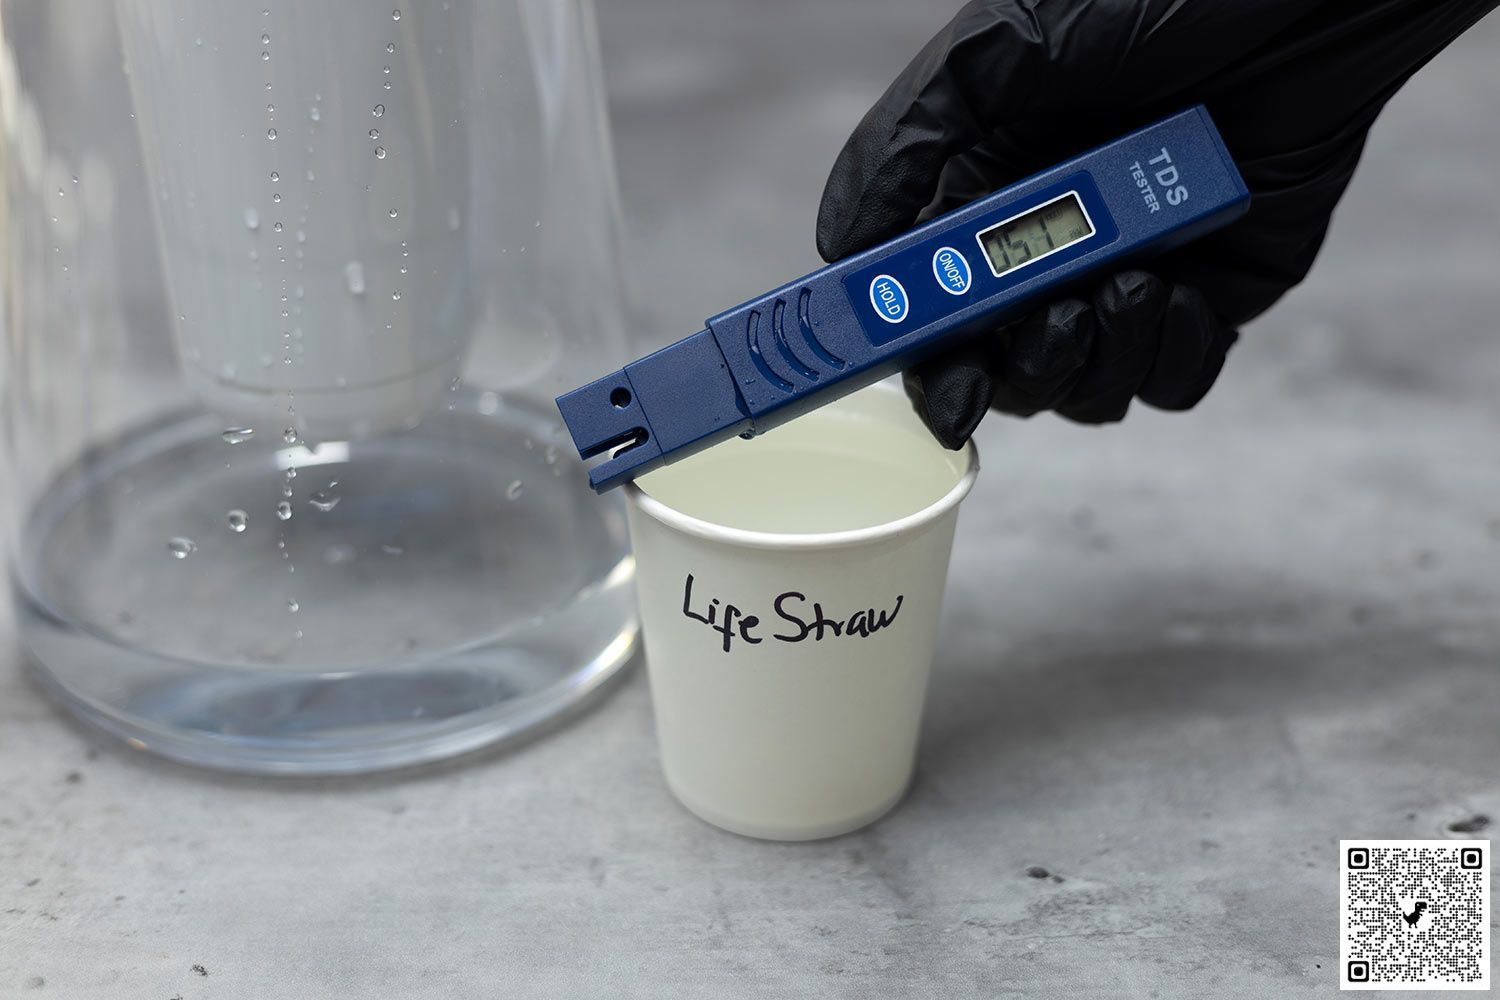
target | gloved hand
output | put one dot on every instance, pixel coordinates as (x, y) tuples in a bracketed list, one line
[(1012, 86)]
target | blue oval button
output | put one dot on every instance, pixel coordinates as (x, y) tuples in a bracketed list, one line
[(888, 298), (951, 270)]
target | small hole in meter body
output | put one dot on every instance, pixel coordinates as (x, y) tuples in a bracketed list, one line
[(620, 398)]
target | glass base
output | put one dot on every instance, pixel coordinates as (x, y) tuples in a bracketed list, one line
[(431, 592)]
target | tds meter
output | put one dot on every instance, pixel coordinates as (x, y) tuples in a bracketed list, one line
[(840, 328)]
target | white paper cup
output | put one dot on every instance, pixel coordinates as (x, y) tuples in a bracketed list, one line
[(790, 587)]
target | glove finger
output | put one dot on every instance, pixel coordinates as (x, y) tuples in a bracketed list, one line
[(1041, 358), (952, 393), (1194, 343), (1129, 307)]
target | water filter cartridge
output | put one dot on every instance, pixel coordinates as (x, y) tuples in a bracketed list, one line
[(314, 242)]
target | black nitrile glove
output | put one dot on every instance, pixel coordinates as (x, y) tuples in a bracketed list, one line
[(1010, 87)]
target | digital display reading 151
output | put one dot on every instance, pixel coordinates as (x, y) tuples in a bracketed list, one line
[(1035, 234)]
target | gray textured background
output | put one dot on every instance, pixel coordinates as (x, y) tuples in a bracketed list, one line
[(1183, 656)]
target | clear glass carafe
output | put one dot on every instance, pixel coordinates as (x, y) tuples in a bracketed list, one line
[(289, 288)]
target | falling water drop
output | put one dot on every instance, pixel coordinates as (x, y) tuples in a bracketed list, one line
[(354, 277), (314, 113), (284, 510), (293, 607), (374, 133), (265, 57), (395, 296), (277, 227), (275, 177), (290, 437), (271, 134), (181, 547), (379, 152), (392, 213), (386, 84), (237, 520), (395, 15), (252, 219), (378, 111), (390, 46), (513, 491)]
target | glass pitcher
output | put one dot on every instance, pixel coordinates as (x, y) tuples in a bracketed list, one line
[(289, 289)]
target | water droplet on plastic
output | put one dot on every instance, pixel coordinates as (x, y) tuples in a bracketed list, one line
[(284, 511), (237, 435), (513, 491), (354, 277), (395, 15), (237, 520), (290, 437), (252, 219), (324, 500), (379, 152), (181, 547), (271, 134)]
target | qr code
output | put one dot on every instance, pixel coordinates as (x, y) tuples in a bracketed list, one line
[(1414, 914)]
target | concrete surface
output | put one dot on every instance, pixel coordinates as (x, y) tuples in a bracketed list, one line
[(1183, 656)]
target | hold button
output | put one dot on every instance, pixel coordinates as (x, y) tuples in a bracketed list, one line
[(888, 298)]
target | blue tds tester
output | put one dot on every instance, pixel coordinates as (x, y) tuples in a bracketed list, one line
[(840, 328)]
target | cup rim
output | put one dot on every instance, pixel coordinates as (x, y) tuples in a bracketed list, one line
[(786, 540)]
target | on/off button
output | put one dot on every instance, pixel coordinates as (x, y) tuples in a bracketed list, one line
[(888, 298), (951, 269)]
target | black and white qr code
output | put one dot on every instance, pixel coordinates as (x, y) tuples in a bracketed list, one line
[(1414, 914)]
